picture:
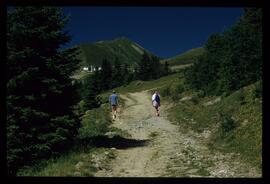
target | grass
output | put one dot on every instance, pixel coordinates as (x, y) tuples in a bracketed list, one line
[(63, 165), (242, 111), (185, 58)]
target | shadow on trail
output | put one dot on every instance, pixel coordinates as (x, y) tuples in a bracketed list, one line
[(117, 142)]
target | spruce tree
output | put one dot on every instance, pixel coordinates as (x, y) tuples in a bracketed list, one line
[(166, 69), (144, 67), (117, 75), (106, 75), (40, 94)]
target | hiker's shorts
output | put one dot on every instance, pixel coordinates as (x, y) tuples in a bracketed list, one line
[(155, 104), (114, 107)]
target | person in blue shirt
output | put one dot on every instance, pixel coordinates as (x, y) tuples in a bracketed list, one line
[(113, 100)]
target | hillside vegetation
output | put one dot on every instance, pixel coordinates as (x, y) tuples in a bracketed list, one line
[(187, 57), (234, 122), (123, 49)]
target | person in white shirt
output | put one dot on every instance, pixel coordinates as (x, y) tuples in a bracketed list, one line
[(156, 102)]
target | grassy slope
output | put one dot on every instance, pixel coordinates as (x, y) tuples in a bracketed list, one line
[(124, 49), (185, 58), (245, 138)]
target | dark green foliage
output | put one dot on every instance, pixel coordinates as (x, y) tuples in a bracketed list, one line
[(201, 94), (149, 68), (232, 59), (106, 75), (95, 122), (257, 92), (241, 96), (40, 94), (90, 92), (195, 99), (117, 74), (179, 88), (227, 124), (166, 68)]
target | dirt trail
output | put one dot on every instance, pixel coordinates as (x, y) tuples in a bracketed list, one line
[(170, 151)]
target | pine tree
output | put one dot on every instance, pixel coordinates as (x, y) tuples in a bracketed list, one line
[(91, 90), (144, 67), (106, 75), (117, 75), (166, 69), (40, 94), (156, 68), (233, 58)]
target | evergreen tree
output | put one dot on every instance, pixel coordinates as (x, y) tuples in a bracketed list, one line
[(166, 69), (106, 75), (156, 68), (91, 90), (40, 94), (127, 76), (144, 67), (117, 75), (233, 59)]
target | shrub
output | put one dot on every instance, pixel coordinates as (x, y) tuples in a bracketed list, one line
[(257, 92), (179, 89), (195, 100), (227, 123), (201, 94), (241, 96), (95, 122)]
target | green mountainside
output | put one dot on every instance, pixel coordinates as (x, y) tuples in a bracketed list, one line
[(187, 57), (125, 50)]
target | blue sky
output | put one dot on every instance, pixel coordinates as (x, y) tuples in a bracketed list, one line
[(164, 31)]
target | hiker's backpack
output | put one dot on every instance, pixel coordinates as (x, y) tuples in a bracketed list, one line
[(157, 99)]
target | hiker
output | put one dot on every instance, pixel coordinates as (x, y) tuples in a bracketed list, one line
[(156, 102), (113, 99)]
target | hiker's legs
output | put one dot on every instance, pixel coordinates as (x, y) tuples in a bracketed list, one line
[(114, 111), (158, 111)]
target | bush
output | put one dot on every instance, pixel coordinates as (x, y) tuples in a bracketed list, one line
[(201, 94), (241, 96), (94, 122), (179, 89), (227, 123), (195, 100), (257, 92)]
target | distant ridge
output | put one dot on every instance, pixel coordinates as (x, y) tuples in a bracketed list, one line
[(125, 50)]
